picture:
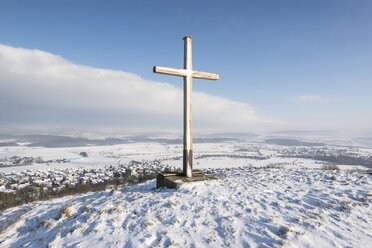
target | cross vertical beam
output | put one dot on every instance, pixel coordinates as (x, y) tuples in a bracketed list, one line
[(187, 104), (187, 73)]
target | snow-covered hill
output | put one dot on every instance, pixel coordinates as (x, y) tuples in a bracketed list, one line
[(245, 207)]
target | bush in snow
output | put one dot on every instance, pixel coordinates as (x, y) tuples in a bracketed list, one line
[(330, 167), (84, 154), (66, 211)]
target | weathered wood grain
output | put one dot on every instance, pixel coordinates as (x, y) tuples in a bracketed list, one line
[(187, 73)]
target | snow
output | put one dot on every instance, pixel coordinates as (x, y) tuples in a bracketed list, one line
[(48, 166), (245, 207), (266, 195), (207, 155)]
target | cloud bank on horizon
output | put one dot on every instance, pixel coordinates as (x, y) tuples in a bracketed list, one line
[(314, 99), (40, 88)]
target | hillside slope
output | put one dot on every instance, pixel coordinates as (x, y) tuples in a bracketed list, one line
[(244, 207)]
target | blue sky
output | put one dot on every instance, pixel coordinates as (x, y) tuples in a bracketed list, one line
[(307, 63)]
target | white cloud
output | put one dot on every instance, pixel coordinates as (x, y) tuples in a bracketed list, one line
[(314, 99), (40, 87)]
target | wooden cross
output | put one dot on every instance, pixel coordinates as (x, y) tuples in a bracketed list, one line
[(187, 73)]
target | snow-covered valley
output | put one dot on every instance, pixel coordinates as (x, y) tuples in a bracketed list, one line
[(267, 194)]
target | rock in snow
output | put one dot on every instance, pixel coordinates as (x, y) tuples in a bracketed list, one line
[(245, 207)]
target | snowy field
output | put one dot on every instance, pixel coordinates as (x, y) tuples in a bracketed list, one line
[(206, 155), (245, 207), (268, 194)]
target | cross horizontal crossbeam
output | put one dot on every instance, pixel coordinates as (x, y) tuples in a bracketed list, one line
[(185, 72)]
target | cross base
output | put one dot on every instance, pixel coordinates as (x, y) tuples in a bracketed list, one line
[(174, 180)]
